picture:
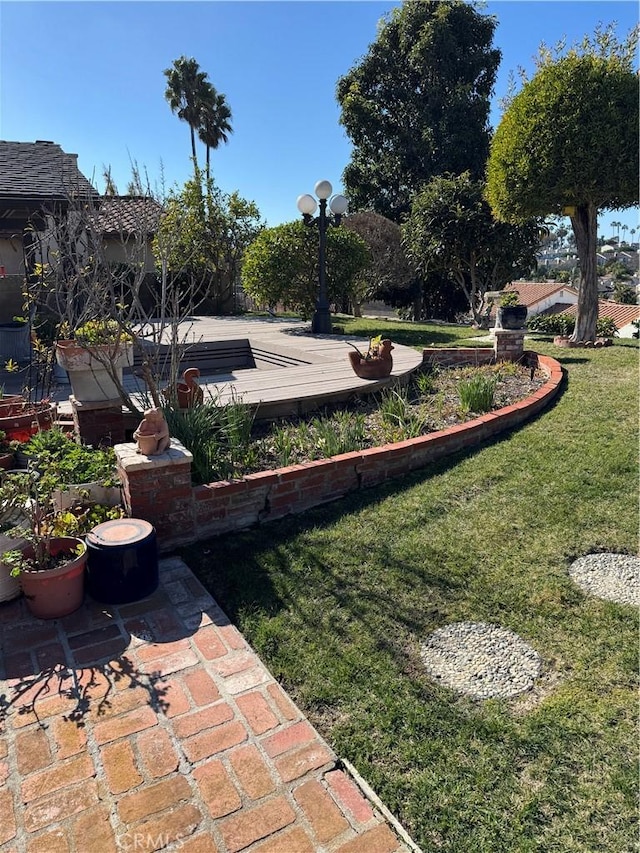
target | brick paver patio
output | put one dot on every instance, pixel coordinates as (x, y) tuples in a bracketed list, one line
[(154, 726)]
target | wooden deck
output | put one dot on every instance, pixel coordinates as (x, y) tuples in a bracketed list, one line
[(323, 376)]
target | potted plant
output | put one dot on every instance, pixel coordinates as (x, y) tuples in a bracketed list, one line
[(95, 358), (20, 418), (376, 363), (50, 568), (73, 471), (511, 313)]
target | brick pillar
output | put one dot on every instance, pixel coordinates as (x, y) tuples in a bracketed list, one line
[(98, 423), (508, 344), (158, 489)]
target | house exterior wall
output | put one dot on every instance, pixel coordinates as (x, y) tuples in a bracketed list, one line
[(119, 252), (11, 298), (564, 296), (627, 331), (11, 255)]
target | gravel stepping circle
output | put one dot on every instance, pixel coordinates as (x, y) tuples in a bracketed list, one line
[(614, 577), (480, 660)]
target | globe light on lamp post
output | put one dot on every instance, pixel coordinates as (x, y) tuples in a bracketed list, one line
[(321, 320)]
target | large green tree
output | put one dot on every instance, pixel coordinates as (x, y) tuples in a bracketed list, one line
[(451, 231), (417, 104), (568, 143), (202, 237), (281, 266)]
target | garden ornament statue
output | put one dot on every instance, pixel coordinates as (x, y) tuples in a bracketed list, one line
[(152, 435), (189, 392), (376, 363)]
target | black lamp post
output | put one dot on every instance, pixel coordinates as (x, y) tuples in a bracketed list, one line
[(321, 321)]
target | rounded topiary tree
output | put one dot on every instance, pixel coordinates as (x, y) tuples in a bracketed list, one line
[(568, 144), (281, 266)]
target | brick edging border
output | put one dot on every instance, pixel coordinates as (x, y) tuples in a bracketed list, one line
[(192, 514)]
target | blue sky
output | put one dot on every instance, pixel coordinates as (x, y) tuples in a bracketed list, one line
[(88, 75)]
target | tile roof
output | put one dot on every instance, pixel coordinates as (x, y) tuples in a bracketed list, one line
[(531, 292), (39, 170), (127, 214), (621, 314)]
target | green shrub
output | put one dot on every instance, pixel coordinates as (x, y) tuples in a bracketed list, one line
[(551, 324), (96, 332), (561, 324), (61, 461), (476, 393), (606, 328), (216, 435)]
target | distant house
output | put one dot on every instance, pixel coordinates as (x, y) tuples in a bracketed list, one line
[(628, 257), (128, 224), (622, 315), (40, 183), (544, 297), (550, 297), (37, 180)]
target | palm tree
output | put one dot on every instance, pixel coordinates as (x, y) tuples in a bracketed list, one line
[(632, 232), (616, 225), (188, 92), (624, 229), (215, 124)]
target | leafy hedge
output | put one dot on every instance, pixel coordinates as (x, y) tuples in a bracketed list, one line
[(561, 324)]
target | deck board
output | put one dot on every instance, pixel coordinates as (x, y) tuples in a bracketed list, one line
[(286, 390)]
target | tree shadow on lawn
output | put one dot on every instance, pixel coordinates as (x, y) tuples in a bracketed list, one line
[(425, 337), (279, 571), (278, 567), (570, 360)]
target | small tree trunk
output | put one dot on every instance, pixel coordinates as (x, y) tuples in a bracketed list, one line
[(584, 223), (473, 293)]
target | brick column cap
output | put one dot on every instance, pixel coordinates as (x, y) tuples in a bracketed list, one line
[(509, 333), (130, 460)]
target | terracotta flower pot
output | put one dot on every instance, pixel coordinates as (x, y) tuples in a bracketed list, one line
[(53, 593), (20, 419), (373, 368), (90, 379), (147, 444)]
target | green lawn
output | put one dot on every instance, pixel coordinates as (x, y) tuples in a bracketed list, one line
[(337, 603), (417, 335)]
